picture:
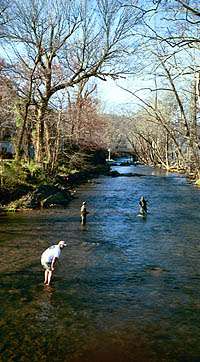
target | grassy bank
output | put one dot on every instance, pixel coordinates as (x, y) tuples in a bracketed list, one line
[(30, 186)]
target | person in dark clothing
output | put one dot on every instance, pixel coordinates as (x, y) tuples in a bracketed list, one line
[(143, 205)]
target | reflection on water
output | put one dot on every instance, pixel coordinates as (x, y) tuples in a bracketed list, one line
[(126, 289)]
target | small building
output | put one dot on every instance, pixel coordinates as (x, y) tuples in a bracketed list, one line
[(6, 149)]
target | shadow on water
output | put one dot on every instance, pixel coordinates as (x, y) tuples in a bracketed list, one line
[(126, 288)]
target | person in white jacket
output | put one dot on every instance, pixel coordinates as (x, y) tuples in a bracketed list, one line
[(49, 258)]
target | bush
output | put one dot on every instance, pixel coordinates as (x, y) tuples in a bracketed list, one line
[(15, 173)]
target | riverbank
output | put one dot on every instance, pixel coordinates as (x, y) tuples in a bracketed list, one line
[(56, 193)]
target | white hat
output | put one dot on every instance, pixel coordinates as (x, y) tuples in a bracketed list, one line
[(62, 242)]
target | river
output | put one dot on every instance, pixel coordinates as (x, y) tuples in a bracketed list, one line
[(126, 288)]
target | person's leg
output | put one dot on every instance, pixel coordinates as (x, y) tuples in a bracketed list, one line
[(46, 276), (49, 276)]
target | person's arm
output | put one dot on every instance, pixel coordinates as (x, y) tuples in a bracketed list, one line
[(53, 263)]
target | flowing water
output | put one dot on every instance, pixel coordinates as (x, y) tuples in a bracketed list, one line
[(126, 288)]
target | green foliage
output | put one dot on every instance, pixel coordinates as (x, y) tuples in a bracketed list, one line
[(63, 169), (35, 173), (33, 168), (14, 173), (18, 120)]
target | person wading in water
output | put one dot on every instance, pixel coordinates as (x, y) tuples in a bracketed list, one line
[(49, 258), (84, 213), (143, 206)]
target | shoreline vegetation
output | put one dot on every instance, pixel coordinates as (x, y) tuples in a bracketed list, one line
[(36, 191)]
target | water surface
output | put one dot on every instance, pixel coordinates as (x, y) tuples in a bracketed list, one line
[(126, 288)]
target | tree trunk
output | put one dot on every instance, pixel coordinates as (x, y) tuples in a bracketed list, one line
[(40, 135), (47, 144), (19, 146), (57, 144), (167, 151)]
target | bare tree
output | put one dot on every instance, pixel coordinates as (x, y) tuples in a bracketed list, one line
[(4, 16), (170, 52), (62, 43)]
